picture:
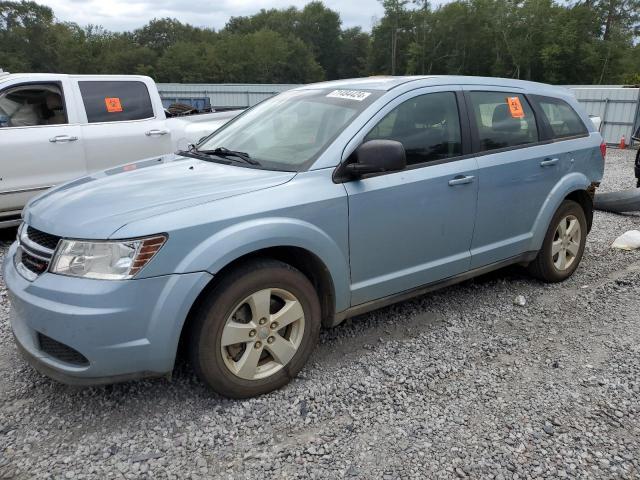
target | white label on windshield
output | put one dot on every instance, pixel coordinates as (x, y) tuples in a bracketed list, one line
[(356, 95)]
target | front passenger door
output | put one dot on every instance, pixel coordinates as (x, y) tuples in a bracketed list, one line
[(40, 142), (414, 227)]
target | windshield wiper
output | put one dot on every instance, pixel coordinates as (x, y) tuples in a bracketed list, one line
[(193, 153), (226, 153)]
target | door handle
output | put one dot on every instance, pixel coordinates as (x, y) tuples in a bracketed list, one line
[(156, 133), (63, 139), (548, 162), (461, 180)]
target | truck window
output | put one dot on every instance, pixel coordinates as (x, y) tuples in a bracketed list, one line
[(31, 105), (503, 120), (115, 101), (562, 119), (428, 126)]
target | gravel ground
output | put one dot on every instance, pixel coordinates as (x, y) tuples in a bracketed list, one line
[(463, 382)]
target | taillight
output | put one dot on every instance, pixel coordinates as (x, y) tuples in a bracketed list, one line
[(603, 150)]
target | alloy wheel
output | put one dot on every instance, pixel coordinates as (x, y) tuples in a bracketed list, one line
[(566, 243), (262, 334)]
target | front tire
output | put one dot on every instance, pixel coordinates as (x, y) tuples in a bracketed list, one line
[(256, 329), (563, 244)]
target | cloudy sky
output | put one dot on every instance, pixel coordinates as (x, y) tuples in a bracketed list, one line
[(129, 14)]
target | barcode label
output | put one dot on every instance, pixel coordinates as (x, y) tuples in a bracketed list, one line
[(356, 95)]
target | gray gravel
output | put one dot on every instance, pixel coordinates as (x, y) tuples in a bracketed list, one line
[(500, 377)]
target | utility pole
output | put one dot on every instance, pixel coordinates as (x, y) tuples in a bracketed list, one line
[(394, 48), (393, 51)]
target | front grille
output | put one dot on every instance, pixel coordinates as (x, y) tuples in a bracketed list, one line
[(61, 351), (33, 264), (41, 238), (35, 251)]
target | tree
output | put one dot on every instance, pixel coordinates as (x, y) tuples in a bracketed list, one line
[(283, 21), (264, 57), (316, 25), (590, 41), (160, 34), (121, 55), (353, 54), (391, 38), (319, 27), (186, 62), (25, 29), (631, 75)]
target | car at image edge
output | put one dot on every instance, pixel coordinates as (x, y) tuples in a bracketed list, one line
[(319, 204), (56, 127)]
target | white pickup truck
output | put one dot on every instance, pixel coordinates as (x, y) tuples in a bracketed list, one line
[(54, 128)]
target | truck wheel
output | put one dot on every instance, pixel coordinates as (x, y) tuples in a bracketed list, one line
[(256, 330), (563, 244)]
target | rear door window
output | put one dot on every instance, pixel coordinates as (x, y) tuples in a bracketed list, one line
[(115, 101), (562, 119), (503, 120)]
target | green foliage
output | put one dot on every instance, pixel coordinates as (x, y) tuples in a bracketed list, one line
[(355, 47), (542, 40), (588, 41)]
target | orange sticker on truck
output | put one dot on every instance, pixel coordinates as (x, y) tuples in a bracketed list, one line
[(515, 107), (113, 104)]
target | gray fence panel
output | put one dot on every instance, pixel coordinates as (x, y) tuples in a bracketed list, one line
[(224, 95), (619, 109)]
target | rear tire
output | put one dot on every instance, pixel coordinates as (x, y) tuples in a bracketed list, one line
[(563, 244), (256, 329)]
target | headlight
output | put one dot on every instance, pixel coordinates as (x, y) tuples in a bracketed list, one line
[(109, 260)]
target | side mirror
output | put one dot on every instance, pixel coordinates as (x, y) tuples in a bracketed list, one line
[(377, 156)]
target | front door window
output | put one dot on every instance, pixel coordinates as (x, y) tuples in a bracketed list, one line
[(32, 105)]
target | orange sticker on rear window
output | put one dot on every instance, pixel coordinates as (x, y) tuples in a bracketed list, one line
[(113, 104), (515, 107)]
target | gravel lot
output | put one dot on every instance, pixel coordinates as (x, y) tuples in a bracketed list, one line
[(462, 382)]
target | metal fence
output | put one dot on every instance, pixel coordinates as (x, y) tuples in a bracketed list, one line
[(618, 107), (220, 95)]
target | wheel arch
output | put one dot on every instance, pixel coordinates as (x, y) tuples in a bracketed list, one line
[(574, 186), (586, 202), (310, 264)]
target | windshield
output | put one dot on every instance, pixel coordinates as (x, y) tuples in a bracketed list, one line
[(289, 131)]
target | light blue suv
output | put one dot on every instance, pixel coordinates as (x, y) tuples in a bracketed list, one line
[(319, 204)]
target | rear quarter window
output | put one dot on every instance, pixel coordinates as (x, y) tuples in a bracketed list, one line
[(563, 120), (115, 101)]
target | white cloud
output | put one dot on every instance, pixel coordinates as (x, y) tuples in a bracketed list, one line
[(120, 15)]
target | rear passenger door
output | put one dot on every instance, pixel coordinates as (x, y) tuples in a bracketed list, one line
[(564, 128), (122, 123), (414, 227), (517, 169)]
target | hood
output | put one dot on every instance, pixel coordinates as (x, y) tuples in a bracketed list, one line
[(95, 206)]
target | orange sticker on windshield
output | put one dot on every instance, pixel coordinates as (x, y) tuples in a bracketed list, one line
[(515, 107), (113, 104)]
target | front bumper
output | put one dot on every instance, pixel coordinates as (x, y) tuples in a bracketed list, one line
[(125, 329)]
